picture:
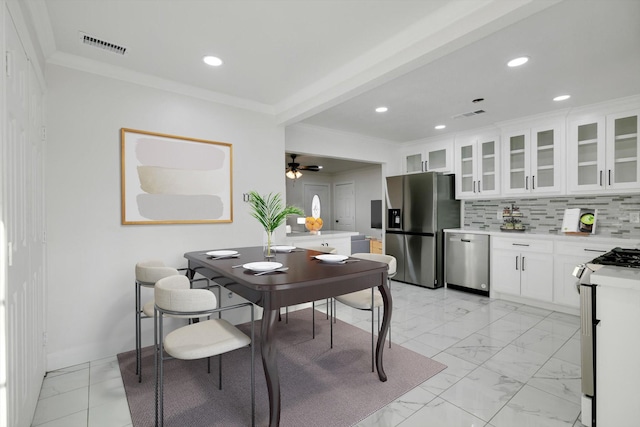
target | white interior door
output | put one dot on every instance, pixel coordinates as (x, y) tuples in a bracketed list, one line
[(23, 294), (345, 210)]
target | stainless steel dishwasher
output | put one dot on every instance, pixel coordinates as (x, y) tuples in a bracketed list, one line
[(467, 262)]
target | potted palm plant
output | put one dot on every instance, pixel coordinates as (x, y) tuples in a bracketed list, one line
[(271, 213)]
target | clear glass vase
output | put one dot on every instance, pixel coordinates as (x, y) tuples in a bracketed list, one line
[(268, 245)]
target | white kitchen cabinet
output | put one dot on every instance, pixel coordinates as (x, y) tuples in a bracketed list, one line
[(566, 256), (533, 159), (622, 151), (435, 156), (522, 267), (603, 153), (477, 167)]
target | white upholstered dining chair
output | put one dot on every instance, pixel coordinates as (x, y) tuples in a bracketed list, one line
[(204, 339), (147, 274), (369, 299)]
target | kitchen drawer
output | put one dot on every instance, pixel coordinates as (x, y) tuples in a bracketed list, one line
[(522, 244), (590, 249), (375, 246)]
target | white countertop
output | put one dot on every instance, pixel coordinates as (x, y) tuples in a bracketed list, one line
[(546, 236), (617, 277)]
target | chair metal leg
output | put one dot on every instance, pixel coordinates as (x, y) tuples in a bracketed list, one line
[(313, 320), (220, 372), (159, 370), (138, 333), (333, 318)]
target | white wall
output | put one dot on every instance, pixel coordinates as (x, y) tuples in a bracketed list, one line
[(318, 141), (91, 256), (369, 182)]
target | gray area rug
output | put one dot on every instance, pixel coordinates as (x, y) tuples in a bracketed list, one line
[(320, 386)]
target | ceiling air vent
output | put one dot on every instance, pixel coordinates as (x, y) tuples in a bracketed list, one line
[(468, 114), (102, 44)]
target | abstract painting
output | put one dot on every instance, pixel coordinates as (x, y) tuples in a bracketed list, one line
[(168, 179)]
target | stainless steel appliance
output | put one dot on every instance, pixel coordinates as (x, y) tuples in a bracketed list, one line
[(466, 262), (419, 207), (618, 257)]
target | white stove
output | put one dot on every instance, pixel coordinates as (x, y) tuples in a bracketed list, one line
[(608, 341)]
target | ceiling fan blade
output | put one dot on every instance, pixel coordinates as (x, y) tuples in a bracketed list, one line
[(311, 168)]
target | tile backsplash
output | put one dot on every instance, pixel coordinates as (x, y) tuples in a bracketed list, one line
[(544, 215)]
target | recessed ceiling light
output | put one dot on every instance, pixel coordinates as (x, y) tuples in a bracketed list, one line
[(214, 61), (440, 127), (561, 97), (518, 61), (382, 110)]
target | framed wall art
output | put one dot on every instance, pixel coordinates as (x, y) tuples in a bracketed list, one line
[(170, 179)]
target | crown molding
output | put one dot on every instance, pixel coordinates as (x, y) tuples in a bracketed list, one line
[(119, 73)]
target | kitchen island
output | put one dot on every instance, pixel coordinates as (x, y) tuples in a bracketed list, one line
[(341, 240)]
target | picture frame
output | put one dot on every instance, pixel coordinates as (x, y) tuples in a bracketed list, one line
[(168, 179)]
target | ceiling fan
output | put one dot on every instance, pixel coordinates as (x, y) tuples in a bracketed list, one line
[(293, 171)]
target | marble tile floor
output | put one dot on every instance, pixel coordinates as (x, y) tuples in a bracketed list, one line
[(508, 365)]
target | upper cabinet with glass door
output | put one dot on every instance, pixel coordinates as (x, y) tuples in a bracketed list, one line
[(532, 160), (436, 156), (477, 167), (603, 153)]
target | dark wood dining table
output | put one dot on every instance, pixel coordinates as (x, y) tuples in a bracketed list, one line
[(307, 279)]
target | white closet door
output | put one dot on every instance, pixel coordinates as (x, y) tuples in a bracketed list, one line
[(23, 218)]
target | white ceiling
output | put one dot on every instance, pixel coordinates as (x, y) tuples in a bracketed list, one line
[(331, 62)]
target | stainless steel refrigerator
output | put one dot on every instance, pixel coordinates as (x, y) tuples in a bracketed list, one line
[(419, 207)]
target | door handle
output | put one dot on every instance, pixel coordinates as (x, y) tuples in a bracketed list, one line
[(600, 178), (517, 262), (465, 240), (479, 187), (474, 186), (526, 182), (533, 182), (522, 263), (609, 177)]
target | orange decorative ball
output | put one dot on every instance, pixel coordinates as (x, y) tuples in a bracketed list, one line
[(313, 224)]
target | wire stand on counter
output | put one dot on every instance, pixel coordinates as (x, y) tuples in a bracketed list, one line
[(512, 219)]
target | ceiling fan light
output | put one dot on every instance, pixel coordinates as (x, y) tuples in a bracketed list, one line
[(293, 174)]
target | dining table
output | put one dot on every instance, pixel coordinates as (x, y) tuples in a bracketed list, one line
[(306, 279)]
